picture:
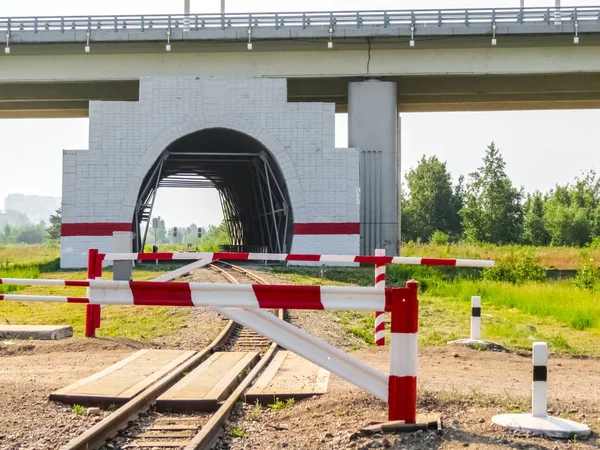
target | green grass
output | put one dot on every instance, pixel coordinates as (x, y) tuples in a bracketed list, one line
[(563, 258), (78, 410), (559, 300), (514, 315), (24, 254), (143, 323)]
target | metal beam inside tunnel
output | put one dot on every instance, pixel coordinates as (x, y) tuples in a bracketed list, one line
[(254, 201)]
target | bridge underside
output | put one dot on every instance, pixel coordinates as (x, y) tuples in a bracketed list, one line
[(415, 93), (254, 197)]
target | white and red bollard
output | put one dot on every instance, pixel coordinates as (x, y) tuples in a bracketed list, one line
[(539, 421), (404, 354), (380, 315), (92, 312)]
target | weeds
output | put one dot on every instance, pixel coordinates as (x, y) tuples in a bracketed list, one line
[(78, 410), (238, 432), (278, 405), (112, 407), (255, 413)]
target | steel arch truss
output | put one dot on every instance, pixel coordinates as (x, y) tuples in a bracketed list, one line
[(252, 190)]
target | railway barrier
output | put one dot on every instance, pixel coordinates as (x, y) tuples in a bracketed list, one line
[(399, 389), (379, 260)]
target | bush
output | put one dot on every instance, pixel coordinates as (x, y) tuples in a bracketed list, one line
[(439, 238), (595, 244), (587, 278), (516, 267)]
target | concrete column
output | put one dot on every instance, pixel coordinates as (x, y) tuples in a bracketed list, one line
[(373, 129), (186, 12), (122, 243)]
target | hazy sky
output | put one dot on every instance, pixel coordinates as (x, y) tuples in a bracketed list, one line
[(541, 148)]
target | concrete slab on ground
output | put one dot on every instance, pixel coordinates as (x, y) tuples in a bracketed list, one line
[(36, 332), (288, 376), (122, 381), (209, 384)]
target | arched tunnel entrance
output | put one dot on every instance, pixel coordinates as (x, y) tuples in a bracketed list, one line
[(253, 193)]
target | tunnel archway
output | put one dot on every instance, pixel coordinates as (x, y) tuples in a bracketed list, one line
[(252, 189)]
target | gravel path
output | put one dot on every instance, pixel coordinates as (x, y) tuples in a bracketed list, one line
[(466, 390), (28, 420)]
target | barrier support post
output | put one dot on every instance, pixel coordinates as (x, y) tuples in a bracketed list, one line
[(380, 315), (92, 312), (402, 387), (97, 308)]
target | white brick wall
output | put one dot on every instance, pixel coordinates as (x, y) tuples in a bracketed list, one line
[(330, 244), (102, 184)]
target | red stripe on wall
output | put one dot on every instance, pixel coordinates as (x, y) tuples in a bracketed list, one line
[(293, 297), (93, 229), (327, 228), (176, 294)]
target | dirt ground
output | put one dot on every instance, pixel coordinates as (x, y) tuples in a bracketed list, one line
[(30, 371), (465, 387)]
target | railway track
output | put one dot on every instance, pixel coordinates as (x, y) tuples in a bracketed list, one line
[(182, 431)]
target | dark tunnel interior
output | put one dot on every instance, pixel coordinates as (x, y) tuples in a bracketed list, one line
[(254, 197)]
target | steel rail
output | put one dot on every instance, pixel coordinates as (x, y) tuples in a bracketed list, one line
[(210, 432), (108, 428)]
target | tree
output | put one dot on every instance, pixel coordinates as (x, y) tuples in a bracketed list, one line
[(53, 231), (31, 235), (534, 230), (567, 225), (492, 211), (160, 232), (431, 203), (571, 213)]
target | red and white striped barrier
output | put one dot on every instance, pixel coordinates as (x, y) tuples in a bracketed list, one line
[(401, 389), (297, 257), (148, 293), (380, 315)]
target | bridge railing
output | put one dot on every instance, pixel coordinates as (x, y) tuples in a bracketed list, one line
[(350, 19)]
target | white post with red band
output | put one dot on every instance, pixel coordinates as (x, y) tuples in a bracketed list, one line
[(404, 351), (379, 315), (92, 312)]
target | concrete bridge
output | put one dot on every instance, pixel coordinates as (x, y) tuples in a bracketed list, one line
[(246, 103)]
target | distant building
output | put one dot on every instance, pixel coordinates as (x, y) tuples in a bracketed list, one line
[(36, 207)]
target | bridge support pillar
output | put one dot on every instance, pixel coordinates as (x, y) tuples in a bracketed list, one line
[(373, 126)]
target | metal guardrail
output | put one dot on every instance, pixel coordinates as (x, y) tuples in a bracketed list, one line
[(355, 19)]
